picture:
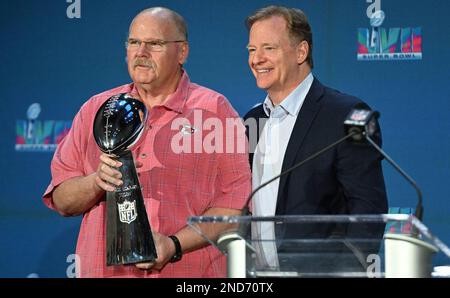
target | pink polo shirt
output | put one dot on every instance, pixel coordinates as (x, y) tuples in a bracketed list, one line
[(182, 174)]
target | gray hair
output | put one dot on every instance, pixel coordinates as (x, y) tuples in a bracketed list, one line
[(176, 18)]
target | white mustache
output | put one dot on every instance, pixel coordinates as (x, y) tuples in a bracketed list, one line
[(142, 62)]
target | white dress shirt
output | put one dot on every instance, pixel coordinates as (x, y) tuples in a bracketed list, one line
[(267, 163)]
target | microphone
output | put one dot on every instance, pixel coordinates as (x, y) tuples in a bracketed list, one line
[(364, 123)]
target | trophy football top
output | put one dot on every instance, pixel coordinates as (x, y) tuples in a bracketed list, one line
[(119, 123)]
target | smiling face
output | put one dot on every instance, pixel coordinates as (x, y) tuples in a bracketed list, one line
[(151, 69), (275, 60)]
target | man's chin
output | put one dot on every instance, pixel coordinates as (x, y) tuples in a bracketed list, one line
[(143, 79), (143, 82), (262, 85)]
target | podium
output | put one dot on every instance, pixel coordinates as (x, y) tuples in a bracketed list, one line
[(385, 245)]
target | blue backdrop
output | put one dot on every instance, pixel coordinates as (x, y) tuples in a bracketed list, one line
[(58, 62)]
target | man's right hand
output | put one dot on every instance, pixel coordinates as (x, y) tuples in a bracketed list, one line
[(78, 194), (107, 175)]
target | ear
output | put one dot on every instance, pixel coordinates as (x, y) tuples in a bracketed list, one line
[(183, 53), (302, 51)]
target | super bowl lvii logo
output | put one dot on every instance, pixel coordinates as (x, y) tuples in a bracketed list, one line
[(38, 135), (379, 43)]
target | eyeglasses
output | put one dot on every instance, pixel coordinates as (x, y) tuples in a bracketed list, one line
[(156, 45)]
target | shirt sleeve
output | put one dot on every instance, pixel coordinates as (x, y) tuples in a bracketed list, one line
[(67, 160)]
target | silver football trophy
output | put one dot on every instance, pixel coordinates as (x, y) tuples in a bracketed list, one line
[(118, 125)]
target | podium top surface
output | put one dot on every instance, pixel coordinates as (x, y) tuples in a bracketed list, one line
[(305, 218), (316, 245)]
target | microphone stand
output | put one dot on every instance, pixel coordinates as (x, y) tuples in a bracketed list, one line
[(419, 208)]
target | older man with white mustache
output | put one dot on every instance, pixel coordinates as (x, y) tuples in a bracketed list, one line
[(174, 185)]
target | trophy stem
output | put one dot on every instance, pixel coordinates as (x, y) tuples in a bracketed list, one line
[(129, 237)]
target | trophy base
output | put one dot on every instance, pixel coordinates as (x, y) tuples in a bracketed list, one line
[(129, 238)]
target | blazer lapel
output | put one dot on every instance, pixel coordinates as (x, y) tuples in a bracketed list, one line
[(304, 120), (258, 116)]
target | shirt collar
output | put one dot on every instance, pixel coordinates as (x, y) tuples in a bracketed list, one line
[(176, 100), (293, 102)]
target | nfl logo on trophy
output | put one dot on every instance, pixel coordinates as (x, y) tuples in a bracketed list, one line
[(127, 212)]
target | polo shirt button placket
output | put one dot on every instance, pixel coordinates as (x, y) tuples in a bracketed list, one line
[(143, 156)]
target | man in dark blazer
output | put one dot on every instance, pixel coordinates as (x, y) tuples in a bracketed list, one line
[(299, 117)]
